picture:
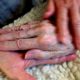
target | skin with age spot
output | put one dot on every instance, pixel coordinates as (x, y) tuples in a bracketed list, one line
[(41, 41)]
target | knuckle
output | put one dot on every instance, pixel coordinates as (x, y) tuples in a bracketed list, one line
[(19, 43), (47, 28), (45, 41)]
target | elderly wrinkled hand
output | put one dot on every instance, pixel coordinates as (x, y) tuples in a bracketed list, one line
[(38, 37), (67, 16)]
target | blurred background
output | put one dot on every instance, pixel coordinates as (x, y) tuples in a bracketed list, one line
[(12, 9)]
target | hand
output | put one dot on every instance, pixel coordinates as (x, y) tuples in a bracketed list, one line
[(66, 10), (40, 36), (37, 35), (13, 65)]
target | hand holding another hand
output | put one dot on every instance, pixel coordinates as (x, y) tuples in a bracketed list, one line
[(40, 38), (67, 16)]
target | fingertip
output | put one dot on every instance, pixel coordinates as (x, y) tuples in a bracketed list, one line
[(47, 14), (34, 54), (50, 9), (29, 54)]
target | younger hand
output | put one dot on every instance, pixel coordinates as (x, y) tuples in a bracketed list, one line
[(66, 10)]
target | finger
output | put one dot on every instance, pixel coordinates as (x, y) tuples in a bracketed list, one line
[(40, 54), (62, 23), (50, 9), (45, 43), (75, 19), (31, 63), (40, 28), (20, 44), (25, 44), (35, 54), (26, 27), (20, 34)]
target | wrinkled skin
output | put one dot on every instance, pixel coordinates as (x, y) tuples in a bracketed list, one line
[(66, 10), (41, 36), (41, 41)]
